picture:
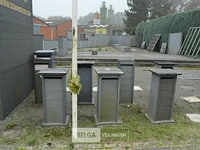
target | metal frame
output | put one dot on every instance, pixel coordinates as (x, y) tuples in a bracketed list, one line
[(191, 49), (192, 38), (154, 45)]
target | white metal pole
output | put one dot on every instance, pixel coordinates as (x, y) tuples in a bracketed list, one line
[(74, 65)]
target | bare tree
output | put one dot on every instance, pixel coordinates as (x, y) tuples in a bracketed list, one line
[(192, 4), (58, 18), (184, 5)]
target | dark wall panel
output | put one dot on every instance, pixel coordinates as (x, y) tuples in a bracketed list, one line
[(16, 55)]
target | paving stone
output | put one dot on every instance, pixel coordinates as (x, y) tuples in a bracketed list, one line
[(191, 99), (194, 117)]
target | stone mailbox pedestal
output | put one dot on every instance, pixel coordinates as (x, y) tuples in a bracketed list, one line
[(54, 97), (164, 65), (85, 70), (40, 63), (126, 81), (108, 96), (45, 53), (161, 100)]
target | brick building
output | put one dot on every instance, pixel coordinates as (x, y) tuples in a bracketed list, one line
[(53, 29)]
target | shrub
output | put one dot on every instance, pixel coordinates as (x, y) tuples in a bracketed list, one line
[(174, 23)]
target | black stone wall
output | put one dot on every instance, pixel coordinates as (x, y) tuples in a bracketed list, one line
[(16, 55)]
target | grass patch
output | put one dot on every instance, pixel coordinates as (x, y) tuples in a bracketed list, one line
[(99, 49), (141, 129), (32, 142), (10, 125), (71, 146), (190, 68)]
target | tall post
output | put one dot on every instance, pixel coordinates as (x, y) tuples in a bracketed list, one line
[(74, 65)]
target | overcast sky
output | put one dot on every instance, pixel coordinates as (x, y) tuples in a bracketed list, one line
[(45, 8)]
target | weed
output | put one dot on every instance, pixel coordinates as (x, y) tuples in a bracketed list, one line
[(126, 147), (58, 64), (159, 144), (32, 142), (20, 149), (199, 108), (71, 146), (99, 49), (10, 125)]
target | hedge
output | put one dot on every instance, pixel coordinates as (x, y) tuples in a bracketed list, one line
[(179, 22)]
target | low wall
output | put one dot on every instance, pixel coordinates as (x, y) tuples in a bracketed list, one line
[(38, 42), (50, 44), (93, 41)]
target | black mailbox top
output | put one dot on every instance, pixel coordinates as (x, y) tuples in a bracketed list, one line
[(54, 72), (38, 60), (164, 63), (85, 62), (126, 61), (109, 71), (38, 52), (164, 72)]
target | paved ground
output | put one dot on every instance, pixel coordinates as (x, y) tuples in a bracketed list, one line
[(137, 54)]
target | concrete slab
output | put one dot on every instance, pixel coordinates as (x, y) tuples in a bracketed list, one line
[(175, 41), (188, 88), (95, 89), (67, 89), (194, 117), (191, 99), (137, 88)]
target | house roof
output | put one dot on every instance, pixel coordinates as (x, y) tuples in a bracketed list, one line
[(42, 25), (56, 22), (93, 26), (41, 20)]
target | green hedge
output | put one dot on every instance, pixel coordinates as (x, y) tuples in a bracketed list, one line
[(179, 22)]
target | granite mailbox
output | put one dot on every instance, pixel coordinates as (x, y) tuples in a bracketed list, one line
[(162, 92), (85, 71), (164, 65), (45, 53), (40, 63), (127, 81), (108, 96), (54, 96)]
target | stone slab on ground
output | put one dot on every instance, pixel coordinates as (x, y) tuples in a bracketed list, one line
[(188, 88), (175, 41), (137, 88), (194, 117), (191, 99)]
